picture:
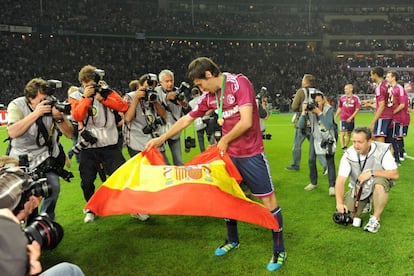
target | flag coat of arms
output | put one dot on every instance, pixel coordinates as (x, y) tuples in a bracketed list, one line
[(208, 185)]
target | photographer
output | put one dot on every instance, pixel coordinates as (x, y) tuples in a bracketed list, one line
[(261, 101), (33, 126), (19, 258), (372, 170), (144, 116), (200, 124), (303, 94), (21, 240), (176, 106), (143, 119), (93, 107), (322, 140)]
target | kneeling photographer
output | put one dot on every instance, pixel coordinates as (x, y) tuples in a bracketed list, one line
[(93, 107), (372, 171), (35, 121), (322, 140), (21, 194), (21, 240)]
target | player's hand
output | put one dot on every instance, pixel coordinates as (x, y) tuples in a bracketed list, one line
[(154, 143)]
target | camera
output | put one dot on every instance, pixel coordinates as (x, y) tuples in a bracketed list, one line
[(88, 139), (63, 107), (150, 95), (17, 186), (267, 136), (262, 93), (45, 231), (152, 79), (311, 106), (104, 90), (217, 135), (36, 188), (328, 145), (342, 218), (189, 143), (51, 86), (182, 92), (152, 126)]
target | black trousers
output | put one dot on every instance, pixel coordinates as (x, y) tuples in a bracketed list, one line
[(104, 161)]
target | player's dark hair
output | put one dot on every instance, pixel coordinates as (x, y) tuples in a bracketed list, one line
[(198, 67)]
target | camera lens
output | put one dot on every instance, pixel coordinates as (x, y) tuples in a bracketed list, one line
[(45, 231), (79, 146), (41, 188)]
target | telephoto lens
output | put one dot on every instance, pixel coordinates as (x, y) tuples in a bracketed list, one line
[(45, 231)]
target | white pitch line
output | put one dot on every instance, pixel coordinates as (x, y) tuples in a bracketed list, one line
[(409, 157)]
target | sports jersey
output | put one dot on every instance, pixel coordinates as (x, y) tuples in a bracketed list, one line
[(348, 106), (401, 97), (383, 93), (238, 92)]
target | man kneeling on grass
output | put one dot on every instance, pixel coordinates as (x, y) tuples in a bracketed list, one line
[(371, 167)]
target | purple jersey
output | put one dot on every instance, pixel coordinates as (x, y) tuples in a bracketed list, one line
[(348, 105), (383, 93), (401, 97), (238, 92)]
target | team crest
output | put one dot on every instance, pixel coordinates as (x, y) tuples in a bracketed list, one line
[(230, 99)]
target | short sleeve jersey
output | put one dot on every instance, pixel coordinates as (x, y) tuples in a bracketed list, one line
[(401, 97), (238, 92), (383, 93), (348, 106)]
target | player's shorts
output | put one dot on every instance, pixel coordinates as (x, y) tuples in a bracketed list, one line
[(381, 127), (347, 127), (255, 171)]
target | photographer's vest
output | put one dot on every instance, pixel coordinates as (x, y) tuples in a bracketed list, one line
[(307, 92), (32, 142), (134, 136), (100, 121), (372, 162), (320, 132), (174, 112)]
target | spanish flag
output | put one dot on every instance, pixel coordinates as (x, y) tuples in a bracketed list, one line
[(208, 185)]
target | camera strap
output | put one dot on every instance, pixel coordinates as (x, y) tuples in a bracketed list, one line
[(358, 194), (90, 113), (47, 135), (148, 113)]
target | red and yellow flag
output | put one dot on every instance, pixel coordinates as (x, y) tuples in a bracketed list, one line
[(208, 185)]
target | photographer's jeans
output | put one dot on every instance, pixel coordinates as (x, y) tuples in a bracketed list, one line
[(200, 138), (176, 152), (63, 269), (297, 147), (313, 173), (297, 150), (49, 203)]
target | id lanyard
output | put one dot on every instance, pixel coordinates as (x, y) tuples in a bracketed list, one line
[(361, 168), (220, 119)]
